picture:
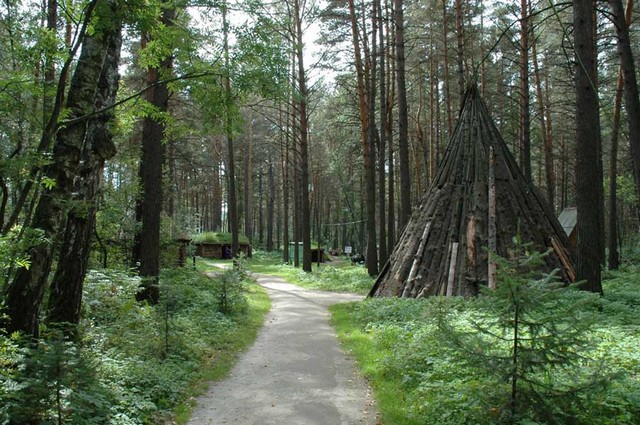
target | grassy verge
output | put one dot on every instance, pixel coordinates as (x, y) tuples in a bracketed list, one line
[(421, 376), (337, 275)]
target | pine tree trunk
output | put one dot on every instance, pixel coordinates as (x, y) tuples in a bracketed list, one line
[(248, 181), (305, 225), (589, 195), (151, 164), (391, 209), (382, 146), (286, 166), (447, 79), (460, 53), (525, 111), (271, 206), (614, 257), (631, 99), (231, 163), (403, 120), (547, 141)]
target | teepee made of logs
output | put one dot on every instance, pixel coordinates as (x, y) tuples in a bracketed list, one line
[(477, 203)]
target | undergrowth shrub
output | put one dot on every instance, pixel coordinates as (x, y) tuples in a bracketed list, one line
[(450, 360), (132, 363)]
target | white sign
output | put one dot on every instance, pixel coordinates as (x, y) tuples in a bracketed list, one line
[(347, 250)]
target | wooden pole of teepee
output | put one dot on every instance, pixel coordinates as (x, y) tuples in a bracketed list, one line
[(452, 268), (493, 243)]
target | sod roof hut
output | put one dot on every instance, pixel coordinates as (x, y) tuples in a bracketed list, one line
[(478, 201)]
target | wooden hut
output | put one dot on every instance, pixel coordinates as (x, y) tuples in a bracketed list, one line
[(478, 201), (218, 245)]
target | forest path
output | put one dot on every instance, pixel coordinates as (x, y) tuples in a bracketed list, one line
[(295, 373)]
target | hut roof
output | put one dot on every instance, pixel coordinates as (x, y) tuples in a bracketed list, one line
[(443, 250)]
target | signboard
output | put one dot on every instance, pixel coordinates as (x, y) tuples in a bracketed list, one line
[(347, 250)]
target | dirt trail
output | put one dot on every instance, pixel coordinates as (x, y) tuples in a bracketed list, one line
[(295, 373)]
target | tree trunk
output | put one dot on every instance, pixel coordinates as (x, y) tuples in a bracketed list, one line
[(24, 294), (631, 99), (460, 52), (305, 225), (151, 164), (614, 257), (371, 258), (382, 145), (284, 160), (589, 194), (525, 111), (447, 79), (65, 297), (270, 206), (216, 198), (231, 164), (547, 141), (391, 212), (248, 182), (403, 120)]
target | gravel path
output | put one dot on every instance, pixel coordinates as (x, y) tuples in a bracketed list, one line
[(295, 373)]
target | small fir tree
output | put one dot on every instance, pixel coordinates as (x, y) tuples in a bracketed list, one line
[(530, 339)]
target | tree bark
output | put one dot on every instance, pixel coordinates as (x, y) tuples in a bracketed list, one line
[(305, 225), (271, 206), (151, 164), (547, 140), (614, 257), (248, 181), (24, 294), (391, 209), (447, 79), (382, 144), (403, 120), (366, 130), (231, 163), (460, 52), (589, 194), (631, 99), (65, 297), (525, 111)]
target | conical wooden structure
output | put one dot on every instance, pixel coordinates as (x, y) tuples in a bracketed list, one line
[(477, 203)]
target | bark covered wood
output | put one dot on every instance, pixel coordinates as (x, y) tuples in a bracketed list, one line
[(456, 210)]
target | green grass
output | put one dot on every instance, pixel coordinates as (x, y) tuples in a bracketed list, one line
[(218, 367), (337, 276), (357, 340), (419, 378)]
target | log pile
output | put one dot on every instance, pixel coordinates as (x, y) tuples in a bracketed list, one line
[(479, 199)]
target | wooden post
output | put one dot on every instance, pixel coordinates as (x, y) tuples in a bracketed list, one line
[(416, 259), (493, 243), (452, 268)]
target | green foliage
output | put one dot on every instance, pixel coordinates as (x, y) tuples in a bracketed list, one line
[(450, 361), (134, 364), (14, 246), (530, 342), (327, 277)]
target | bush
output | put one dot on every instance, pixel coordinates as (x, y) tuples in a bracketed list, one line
[(133, 363), (451, 360)]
